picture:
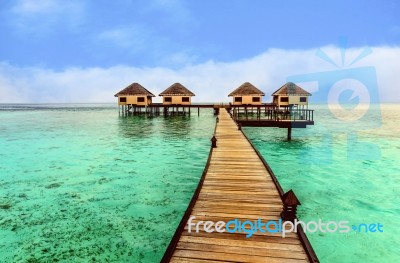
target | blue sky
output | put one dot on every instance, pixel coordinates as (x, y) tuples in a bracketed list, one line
[(58, 36)]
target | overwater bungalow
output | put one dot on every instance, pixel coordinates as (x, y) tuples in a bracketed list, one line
[(134, 94), (247, 94), (177, 94), (290, 95)]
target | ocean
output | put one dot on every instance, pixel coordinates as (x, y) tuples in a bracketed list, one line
[(343, 171), (80, 183)]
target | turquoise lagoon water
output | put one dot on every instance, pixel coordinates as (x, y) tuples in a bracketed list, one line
[(338, 177), (78, 183)]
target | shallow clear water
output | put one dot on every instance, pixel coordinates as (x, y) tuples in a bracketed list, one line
[(343, 171), (79, 183)]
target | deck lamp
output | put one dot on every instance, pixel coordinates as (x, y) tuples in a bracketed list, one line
[(214, 142), (290, 203)]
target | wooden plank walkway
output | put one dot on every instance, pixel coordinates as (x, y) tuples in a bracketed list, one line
[(236, 185)]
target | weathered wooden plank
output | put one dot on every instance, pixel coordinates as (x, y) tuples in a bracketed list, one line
[(275, 253), (263, 244), (230, 257), (225, 196), (243, 210), (192, 260), (247, 205), (267, 238)]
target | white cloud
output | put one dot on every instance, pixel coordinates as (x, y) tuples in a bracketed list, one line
[(210, 81)]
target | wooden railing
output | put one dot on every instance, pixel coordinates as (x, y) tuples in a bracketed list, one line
[(258, 113)]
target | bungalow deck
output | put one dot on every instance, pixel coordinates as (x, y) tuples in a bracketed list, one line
[(263, 115)]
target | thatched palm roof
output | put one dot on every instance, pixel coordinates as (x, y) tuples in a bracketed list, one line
[(135, 89), (246, 89), (177, 89), (291, 89)]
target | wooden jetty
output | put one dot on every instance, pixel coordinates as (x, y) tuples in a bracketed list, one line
[(157, 109), (270, 115), (236, 183)]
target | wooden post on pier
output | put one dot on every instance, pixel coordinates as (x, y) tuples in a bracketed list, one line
[(290, 203), (214, 142), (289, 133)]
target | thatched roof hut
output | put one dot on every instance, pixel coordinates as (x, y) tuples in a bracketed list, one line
[(134, 94), (291, 95), (246, 94), (177, 94), (246, 89), (135, 89), (291, 89), (177, 89)]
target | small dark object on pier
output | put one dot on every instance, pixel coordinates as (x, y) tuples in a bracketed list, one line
[(214, 142), (290, 203)]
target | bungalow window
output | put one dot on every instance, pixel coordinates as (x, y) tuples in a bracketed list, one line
[(238, 99), (140, 99), (185, 99), (167, 99), (256, 99), (122, 99), (284, 99), (303, 99)]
